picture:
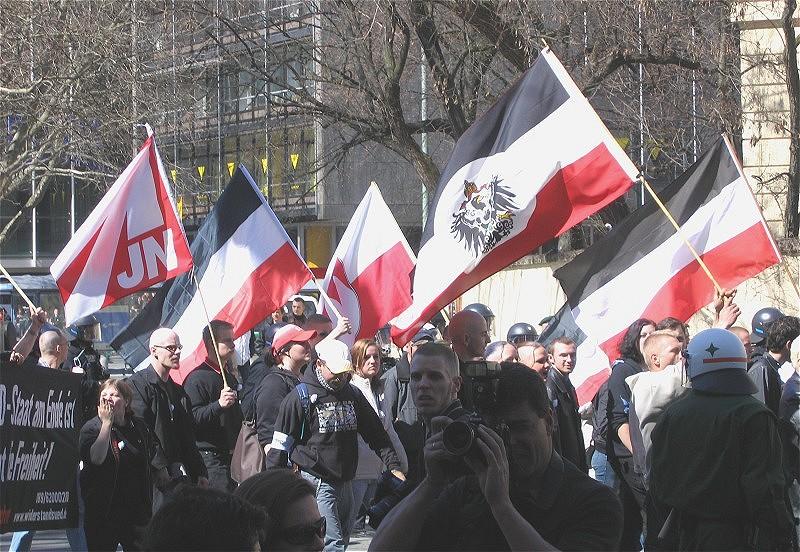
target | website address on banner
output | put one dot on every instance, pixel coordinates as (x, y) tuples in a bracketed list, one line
[(39, 515), (51, 497)]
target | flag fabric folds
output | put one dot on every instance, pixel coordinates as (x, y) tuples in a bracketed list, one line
[(246, 265), (535, 164), (369, 276), (643, 269), (132, 240)]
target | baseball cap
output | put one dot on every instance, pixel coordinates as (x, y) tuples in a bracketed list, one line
[(289, 333), (335, 354)]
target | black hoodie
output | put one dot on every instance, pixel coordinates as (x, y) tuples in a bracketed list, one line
[(326, 444)]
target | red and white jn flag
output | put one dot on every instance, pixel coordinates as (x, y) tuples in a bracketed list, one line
[(130, 241), (535, 164), (369, 278)]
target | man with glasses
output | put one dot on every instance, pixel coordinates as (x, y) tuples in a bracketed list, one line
[(317, 429), (215, 406), (166, 410)]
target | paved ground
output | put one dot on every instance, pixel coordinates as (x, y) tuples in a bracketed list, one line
[(47, 541)]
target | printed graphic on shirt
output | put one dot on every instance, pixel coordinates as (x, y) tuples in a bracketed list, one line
[(337, 416)]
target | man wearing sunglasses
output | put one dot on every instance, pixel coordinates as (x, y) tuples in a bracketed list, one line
[(317, 429), (215, 406), (166, 409)]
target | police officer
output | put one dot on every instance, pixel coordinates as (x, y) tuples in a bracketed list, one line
[(82, 354), (83, 358), (714, 456), (758, 338), (521, 332)]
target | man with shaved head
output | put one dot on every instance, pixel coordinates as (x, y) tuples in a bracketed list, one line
[(651, 393), (534, 355), (501, 351), (744, 337), (469, 335), (53, 347), (164, 406)]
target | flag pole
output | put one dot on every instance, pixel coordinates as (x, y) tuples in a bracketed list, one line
[(210, 331), (324, 295), (16, 287), (669, 216), (766, 227)]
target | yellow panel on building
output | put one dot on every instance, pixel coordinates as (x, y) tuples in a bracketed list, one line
[(318, 245)]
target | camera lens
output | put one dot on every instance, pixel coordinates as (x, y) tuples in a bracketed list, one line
[(458, 438)]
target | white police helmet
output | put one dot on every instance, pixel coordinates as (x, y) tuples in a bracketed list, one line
[(717, 363)]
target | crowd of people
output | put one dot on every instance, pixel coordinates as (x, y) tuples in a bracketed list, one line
[(462, 444)]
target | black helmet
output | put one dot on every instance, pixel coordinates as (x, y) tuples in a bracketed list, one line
[(761, 321), (521, 331), (85, 328), (481, 309)]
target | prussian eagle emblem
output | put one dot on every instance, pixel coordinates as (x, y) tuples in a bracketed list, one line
[(485, 216)]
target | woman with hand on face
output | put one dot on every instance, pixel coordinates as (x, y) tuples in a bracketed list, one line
[(366, 355), (115, 480)]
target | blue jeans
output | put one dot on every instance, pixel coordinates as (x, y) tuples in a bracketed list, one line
[(335, 502), (21, 541), (363, 493), (603, 472)]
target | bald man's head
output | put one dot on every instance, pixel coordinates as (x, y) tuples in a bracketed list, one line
[(53, 347), (744, 337), (162, 336), (661, 349), (468, 334)]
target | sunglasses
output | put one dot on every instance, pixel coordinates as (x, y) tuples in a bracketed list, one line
[(304, 534), (171, 348)]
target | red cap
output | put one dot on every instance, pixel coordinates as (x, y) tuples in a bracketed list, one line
[(289, 333)]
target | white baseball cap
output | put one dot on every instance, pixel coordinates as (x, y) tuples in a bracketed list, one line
[(335, 354)]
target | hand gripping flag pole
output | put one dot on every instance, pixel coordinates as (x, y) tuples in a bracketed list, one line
[(210, 330)]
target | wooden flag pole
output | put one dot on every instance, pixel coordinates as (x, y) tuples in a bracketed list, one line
[(210, 331), (16, 287), (327, 299), (769, 232), (680, 233)]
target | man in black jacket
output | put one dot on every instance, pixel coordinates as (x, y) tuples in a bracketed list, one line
[(764, 372), (567, 435), (317, 429), (215, 406), (164, 407), (525, 498)]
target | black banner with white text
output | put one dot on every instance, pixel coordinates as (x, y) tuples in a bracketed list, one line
[(40, 417)]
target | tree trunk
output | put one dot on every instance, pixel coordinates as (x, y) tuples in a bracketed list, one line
[(792, 219)]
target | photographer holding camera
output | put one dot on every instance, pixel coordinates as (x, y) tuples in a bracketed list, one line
[(527, 498)]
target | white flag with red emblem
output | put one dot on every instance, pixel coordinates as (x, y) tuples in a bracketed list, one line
[(369, 278), (132, 240)]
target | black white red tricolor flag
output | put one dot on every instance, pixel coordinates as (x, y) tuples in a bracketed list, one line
[(643, 269), (246, 265), (535, 164)]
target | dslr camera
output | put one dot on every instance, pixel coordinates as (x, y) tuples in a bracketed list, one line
[(479, 396)]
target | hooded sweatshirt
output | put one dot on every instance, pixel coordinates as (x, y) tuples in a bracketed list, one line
[(651, 394), (326, 444)]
